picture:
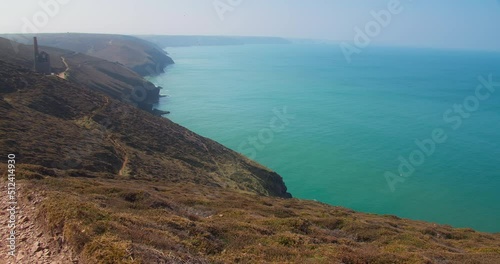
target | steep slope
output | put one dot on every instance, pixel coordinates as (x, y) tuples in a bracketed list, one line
[(108, 183), (74, 123), (111, 78), (141, 56), (22, 55)]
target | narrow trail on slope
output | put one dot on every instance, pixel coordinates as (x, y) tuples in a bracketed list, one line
[(116, 145), (100, 109), (62, 75), (119, 147), (33, 243), (213, 159), (124, 166), (204, 146)]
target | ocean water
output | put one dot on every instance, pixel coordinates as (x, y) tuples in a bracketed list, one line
[(335, 129)]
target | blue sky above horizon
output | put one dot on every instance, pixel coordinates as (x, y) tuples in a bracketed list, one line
[(464, 24)]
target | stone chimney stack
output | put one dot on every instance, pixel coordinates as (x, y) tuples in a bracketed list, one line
[(41, 60), (35, 57)]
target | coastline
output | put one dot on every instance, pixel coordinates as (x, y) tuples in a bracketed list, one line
[(101, 175), (192, 104)]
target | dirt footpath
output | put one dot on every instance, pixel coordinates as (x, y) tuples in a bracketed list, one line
[(33, 245)]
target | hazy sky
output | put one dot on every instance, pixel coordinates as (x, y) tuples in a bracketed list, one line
[(471, 24)]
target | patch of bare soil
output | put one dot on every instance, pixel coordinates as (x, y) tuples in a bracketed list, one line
[(33, 244)]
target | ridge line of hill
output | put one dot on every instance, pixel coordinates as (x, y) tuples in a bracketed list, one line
[(114, 69)]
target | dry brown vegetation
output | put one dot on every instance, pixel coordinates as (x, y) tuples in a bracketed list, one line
[(140, 55), (183, 198), (109, 77), (116, 221), (52, 123)]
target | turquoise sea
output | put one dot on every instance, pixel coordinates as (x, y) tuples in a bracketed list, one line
[(347, 124)]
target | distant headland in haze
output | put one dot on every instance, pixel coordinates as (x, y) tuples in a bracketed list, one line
[(183, 41)]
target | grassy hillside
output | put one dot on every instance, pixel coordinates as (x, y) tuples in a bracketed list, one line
[(139, 55), (106, 137), (111, 78), (113, 184)]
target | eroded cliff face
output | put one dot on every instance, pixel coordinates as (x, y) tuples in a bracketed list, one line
[(157, 61)]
